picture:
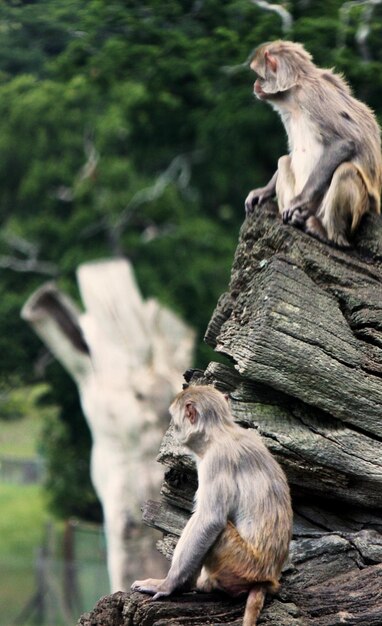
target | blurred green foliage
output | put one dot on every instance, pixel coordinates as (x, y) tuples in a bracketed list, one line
[(129, 127)]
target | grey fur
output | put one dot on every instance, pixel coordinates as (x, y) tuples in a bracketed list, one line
[(242, 517), (318, 104), (239, 480)]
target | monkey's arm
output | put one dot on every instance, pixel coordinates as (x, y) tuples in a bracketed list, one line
[(200, 532), (261, 194), (306, 203)]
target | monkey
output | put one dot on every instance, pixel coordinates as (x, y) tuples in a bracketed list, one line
[(237, 538), (333, 173)]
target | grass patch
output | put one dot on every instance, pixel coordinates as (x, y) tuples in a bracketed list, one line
[(23, 513), (21, 421), (19, 438), (22, 519), (23, 510)]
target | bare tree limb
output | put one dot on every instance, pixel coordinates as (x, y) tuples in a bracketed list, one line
[(66, 193), (178, 172), (280, 10), (287, 23), (364, 27), (88, 170), (30, 251), (28, 265)]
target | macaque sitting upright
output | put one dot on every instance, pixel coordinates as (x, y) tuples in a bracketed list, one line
[(238, 536), (333, 172)]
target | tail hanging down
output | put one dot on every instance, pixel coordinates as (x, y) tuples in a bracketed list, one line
[(255, 602)]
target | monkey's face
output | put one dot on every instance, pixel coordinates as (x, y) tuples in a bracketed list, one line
[(259, 91), (259, 68), (265, 86), (276, 74), (196, 412), (182, 427)]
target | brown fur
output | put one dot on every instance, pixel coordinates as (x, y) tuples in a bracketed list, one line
[(255, 603), (233, 564)]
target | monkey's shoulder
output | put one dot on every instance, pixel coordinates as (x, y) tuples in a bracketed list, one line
[(336, 80), (243, 449)]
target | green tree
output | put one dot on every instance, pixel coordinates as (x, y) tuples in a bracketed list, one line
[(131, 128)]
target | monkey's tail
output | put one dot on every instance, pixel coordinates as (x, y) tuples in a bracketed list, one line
[(255, 602)]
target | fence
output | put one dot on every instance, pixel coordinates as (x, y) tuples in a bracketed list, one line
[(67, 577), (21, 471)]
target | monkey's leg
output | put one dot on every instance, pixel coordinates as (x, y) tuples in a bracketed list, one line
[(344, 204), (285, 184), (204, 582), (307, 202), (233, 565), (314, 227)]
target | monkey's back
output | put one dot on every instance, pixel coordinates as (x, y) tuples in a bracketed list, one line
[(260, 506), (339, 114)]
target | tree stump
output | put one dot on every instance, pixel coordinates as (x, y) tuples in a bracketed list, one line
[(126, 355), (301, 324)]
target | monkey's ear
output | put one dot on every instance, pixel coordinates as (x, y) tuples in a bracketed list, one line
[(190, 412), (270, 61), (226, 395)]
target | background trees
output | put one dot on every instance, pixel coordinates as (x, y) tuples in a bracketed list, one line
[(130, 128)]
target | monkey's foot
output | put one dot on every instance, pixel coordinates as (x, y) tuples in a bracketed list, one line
[(296, 216), (154, 586), (297, 213), (341, 242), (314, 227)]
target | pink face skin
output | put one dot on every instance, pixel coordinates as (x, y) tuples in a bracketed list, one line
[(270, 65), (258, 91)]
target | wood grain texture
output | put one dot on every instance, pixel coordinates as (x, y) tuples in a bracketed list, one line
[(331, 579), (301, 323), (306, 319)]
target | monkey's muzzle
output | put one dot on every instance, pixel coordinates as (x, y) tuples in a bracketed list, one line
[(258, 90)]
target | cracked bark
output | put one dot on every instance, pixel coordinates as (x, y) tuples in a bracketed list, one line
[(302, 325)]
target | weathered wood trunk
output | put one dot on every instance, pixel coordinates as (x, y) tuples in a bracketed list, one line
[(126, 355), (301, 324)]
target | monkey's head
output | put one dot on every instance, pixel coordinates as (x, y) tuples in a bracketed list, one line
[(198, 411), (280, 66)]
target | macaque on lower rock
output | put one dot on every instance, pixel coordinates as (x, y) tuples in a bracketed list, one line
[(238, 536), (333, 173)]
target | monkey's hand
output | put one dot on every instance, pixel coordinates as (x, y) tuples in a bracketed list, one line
[(260, 195), (298, 212), (257, 197), (154, 586)]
